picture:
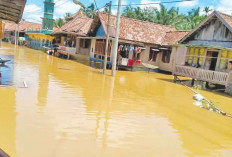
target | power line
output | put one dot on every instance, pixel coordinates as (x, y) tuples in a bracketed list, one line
[(177, 1), (96, 4), (41, 9)]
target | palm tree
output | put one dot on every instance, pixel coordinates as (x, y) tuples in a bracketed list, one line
[(192, 19), (90, 11), (168, 16), (67, 15), (207, 10)]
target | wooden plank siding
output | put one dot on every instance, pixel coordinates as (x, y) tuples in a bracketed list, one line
[(201, 74)]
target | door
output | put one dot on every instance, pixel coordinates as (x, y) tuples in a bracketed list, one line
[(214, 59)]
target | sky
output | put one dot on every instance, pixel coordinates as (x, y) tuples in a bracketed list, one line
[(34, 8)]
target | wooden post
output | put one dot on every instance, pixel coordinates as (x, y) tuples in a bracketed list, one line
[(107, 39), (204, 58), (18, 34), (116, 39), (15, 34)]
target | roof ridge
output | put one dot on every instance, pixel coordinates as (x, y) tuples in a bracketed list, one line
[(223, 13), (139, 20), (31, 22), (179, 31)]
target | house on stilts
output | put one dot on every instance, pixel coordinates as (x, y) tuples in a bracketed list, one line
[(139, 42), (204, 54), (78, 25)]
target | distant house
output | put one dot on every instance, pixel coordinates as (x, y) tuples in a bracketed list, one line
[(24, 26), (11, 11), (78, 25), (139, 41), (205, 52)]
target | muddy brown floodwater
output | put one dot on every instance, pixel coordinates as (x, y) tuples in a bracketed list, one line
[(70, 110)]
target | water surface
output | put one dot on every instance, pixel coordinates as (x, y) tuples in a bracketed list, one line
[(72, 110)]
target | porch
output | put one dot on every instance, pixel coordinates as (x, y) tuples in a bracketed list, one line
[(215, 77)]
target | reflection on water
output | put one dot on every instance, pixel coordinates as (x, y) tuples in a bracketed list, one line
[(72, 110), (6, 70)]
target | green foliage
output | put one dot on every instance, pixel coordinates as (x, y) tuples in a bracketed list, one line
[(166, 16), (207, 10), (59, 22), (90, 11), (67, 15)]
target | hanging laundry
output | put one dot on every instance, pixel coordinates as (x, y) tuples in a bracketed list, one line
[(130, 56), (124, 61)]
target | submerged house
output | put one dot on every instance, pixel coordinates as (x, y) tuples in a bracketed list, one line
[(78, 25), (139, 42), (24, 26), (204, 54)]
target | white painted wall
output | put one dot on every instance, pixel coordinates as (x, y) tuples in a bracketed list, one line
[(92, 47)]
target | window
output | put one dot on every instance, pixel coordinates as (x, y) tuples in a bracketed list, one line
[(166, 56), (84, 43), (153, 54)]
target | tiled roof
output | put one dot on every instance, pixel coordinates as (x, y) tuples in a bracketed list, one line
[(79, 25), (227, 18), (174, 37), (23, 26), (137, 30)]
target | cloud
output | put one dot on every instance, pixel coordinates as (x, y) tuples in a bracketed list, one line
[(188, 3), (225, 6), (157, 6), (226, 3), (65, 6), (124, 2), (32, 8), (33, 13), (114, 11), (225, 10)]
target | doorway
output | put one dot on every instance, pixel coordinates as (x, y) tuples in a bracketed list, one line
[(214, 58)]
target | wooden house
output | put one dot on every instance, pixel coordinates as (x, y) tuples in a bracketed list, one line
[(78, 25), (204, 54), (139, 42), (24, 26)]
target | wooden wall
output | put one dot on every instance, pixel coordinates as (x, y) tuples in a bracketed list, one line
[(215, 33)]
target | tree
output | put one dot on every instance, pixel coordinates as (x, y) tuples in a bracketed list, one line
[(90, 11), (166, 16), (67, 15), (192, 19), (59, 22), (207, 10)]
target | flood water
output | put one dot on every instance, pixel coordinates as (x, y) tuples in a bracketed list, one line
[(70, 110)]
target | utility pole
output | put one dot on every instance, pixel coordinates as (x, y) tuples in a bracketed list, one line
[(116, 39), (107, 38), (16, 34)]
